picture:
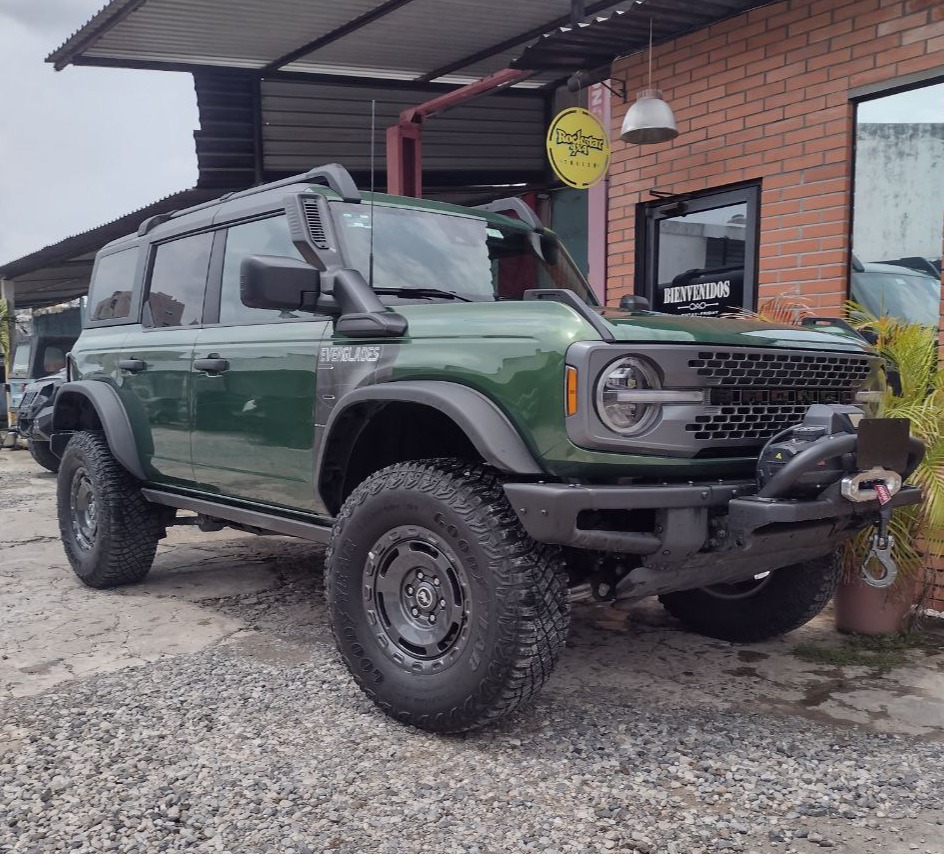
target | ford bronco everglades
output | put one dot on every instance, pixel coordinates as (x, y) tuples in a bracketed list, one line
[(434, 392)]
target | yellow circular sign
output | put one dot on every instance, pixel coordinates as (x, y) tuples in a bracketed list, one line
[(578, 148)]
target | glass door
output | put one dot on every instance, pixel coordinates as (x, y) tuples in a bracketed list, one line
[(699, 253)]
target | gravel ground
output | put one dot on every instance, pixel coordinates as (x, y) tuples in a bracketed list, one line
[(219, 751), (261, 742)]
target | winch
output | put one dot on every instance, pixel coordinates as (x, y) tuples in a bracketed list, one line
[(837, 443), (821, 423)]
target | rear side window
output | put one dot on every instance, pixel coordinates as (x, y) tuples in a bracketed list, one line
[(178, 281), (112, 283), (261, 237)]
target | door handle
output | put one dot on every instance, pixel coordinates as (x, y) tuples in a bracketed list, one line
[(132, 366), (212, 365)]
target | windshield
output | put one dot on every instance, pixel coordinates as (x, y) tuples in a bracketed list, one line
[(911, 297), (415, 249)]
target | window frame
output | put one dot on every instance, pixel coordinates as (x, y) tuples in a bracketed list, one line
[(215, 286), (650, 214), (137, 289), (153, 249), (857, 97)]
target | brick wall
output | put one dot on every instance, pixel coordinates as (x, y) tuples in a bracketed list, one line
[(766, 96)]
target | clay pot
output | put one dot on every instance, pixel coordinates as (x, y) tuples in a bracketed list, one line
[(864, 610)]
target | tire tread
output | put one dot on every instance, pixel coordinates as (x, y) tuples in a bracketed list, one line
[(534, 573), (129, 527)]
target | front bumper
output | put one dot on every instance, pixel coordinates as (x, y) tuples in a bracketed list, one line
[(684, 520)]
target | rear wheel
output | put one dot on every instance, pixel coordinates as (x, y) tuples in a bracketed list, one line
[(108, 529), (42, 453), (446, 613), (760, 608)]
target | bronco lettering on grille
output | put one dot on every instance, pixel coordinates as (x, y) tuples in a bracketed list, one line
[(788, 396)]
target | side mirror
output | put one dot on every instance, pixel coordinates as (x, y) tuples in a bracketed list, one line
[(634, 303), (271, 281)]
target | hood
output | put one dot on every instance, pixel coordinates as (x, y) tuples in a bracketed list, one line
[(728, 331)]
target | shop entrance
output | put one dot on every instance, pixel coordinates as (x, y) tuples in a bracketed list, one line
[(699, 253)]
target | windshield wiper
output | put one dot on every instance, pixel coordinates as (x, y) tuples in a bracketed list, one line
[(422, 292)]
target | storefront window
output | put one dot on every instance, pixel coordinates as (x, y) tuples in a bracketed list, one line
[(699, 254), (898, 209)]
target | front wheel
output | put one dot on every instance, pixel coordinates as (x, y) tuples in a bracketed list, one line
[(108, 529), (760, 608), (446, 613)]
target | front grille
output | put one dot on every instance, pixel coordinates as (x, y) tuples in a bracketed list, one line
[(754, 416), (27, 400), (772, 369)]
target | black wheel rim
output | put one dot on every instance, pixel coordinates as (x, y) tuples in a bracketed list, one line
[(740, 589), (83, 509), (416, 595)]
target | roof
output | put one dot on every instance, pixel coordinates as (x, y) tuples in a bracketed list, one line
[(62, 271), (420, 41), (452, 41)]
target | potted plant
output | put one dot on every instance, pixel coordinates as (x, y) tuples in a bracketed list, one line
[(918, 530)]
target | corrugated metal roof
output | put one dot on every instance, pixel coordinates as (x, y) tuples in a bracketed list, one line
[(492, 140), (599, 41), (388, 39)]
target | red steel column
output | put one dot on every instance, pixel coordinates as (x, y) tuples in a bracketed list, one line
[(405, 138)]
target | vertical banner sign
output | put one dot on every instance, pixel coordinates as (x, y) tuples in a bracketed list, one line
[(578, 148)]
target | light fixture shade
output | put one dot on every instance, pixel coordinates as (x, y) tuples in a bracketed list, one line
[(649, 120)]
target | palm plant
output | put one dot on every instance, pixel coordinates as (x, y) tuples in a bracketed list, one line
[(911, 349)]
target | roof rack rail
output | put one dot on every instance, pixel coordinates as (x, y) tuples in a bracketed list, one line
[(333, 175), (152, 221), (516, 206)]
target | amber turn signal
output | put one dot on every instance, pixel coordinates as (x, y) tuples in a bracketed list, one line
[(571, 390)]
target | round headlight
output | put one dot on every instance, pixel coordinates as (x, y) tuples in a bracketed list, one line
[(619, 410)]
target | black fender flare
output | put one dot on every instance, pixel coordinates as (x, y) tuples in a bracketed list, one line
[(485, 425), (111, 413)]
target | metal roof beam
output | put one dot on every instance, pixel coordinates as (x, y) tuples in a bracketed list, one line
[(514, 41), (376, 14)]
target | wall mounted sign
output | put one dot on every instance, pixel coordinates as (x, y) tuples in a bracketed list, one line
[(578, 148)]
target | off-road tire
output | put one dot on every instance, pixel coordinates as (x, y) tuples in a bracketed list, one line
[(785, 600), (507, 625), (114, 542), (42, 453)]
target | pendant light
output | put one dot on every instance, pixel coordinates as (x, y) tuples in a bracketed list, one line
[(649, 119)]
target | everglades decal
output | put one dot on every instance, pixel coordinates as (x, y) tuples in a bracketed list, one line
[(350, 354), (578, 148)]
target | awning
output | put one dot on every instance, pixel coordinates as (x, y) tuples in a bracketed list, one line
[(453, 41)]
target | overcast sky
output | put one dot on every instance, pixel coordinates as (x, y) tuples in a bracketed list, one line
[(82, 146)]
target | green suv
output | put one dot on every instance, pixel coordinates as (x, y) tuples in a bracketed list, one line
[(434, 393)]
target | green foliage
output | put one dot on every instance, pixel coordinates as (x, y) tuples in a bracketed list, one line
[(881, 653), (919, 529)]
